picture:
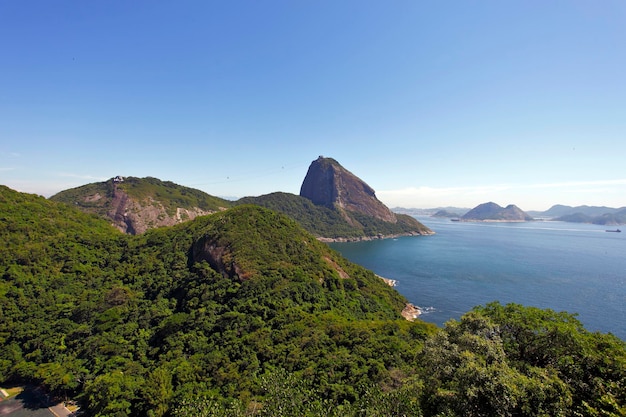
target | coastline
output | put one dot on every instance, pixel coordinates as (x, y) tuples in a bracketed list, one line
[(410, 311), (390, 282), (368, 238), (547, 265)]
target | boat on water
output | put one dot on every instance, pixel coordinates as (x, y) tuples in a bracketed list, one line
[(614, 231)]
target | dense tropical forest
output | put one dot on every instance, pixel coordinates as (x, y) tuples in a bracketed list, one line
[(245, 313)]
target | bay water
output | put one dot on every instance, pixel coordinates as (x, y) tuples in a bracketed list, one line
[(578, 268)]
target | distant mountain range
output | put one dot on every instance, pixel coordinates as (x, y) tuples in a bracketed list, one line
[(613, 217), (580, 214), (584, 214), (560, 210), (333, 204), (484, 212), (453, 211)]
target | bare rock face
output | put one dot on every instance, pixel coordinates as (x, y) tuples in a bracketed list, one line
[(329, 184), (136, 217), (218, 257), (411, 312), (135, 205)]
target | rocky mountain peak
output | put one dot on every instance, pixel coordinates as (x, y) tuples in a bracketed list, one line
[(329, 184)]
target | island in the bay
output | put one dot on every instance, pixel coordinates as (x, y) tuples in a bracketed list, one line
[(493, 212)]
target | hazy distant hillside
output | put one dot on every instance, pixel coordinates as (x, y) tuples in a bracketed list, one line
[(457, 211), (446, 214), (590, 211), (616, 217), (585, 214), (135, 205), (575, 218)]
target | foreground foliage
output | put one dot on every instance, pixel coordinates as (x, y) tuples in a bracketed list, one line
[(154, 325)]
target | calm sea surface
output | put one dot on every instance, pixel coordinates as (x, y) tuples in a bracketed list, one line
[(571, 267)]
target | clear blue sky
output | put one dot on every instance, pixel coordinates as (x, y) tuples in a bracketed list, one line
[(432, 103)]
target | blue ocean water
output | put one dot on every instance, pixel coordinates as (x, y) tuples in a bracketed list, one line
[(578, 268)]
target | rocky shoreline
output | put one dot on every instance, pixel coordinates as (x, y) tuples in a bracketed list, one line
[(368, 238), (390, 282), (411, 312)]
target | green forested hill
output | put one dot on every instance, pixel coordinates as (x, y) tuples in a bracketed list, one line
[(139, 323), (169, 194), (243, 312), (319, 220), (135, 205), (331, 223)]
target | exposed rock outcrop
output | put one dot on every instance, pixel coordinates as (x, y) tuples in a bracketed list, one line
[(135, 205), (411, 312), (136, 217), (329, 184), (218, 257)]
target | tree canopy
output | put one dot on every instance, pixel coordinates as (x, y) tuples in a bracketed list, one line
[(243, 312)]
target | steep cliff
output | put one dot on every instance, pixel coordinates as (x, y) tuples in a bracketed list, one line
[(335, 205), (329, 184)]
